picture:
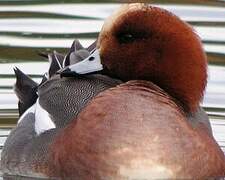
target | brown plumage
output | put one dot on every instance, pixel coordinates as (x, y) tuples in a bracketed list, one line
[(135, 131), (143, 129), (167, 52)]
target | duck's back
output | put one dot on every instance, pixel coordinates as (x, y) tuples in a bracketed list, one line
[(136, 131), (25, 151), (64, 98)]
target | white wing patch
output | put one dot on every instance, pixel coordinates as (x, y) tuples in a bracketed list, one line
[(42, 120)]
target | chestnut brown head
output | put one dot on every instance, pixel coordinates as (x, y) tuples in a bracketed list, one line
[(149, 43)]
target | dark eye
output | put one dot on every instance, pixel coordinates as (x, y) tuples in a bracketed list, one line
[(126, 38)]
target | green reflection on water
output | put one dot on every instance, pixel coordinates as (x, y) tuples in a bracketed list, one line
[(21, 54)]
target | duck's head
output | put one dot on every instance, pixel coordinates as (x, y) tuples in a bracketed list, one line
[(143, 42)]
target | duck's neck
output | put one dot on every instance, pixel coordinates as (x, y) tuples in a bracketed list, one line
[(186, 87), (188, 95)]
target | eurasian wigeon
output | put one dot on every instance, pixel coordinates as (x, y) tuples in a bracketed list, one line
[(151, 126)]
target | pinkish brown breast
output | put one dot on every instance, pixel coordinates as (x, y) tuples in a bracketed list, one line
[(135, 131)]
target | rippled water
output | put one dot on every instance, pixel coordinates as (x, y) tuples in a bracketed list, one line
[(27, 27)]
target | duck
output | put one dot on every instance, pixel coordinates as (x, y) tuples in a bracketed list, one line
[(151, 126), (26, 89), (45, 109)]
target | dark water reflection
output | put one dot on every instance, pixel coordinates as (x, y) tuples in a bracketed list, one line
[(27, 27)]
